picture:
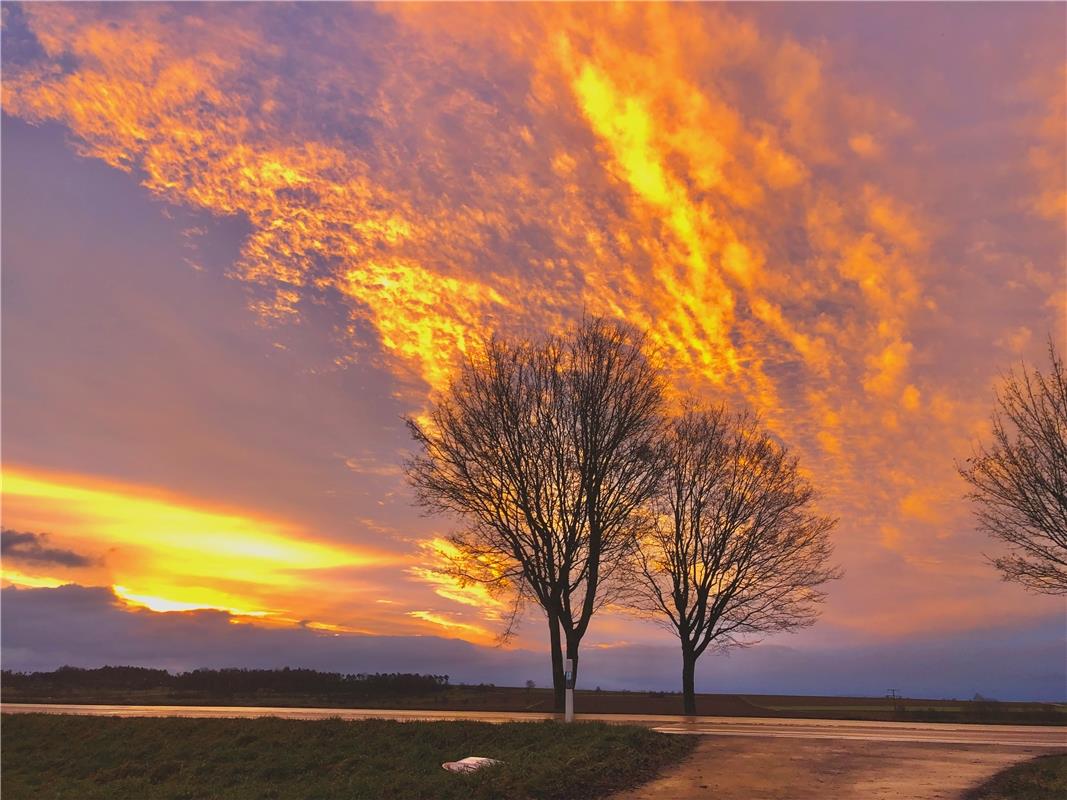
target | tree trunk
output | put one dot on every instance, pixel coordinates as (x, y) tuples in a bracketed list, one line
[(559, 684), (689, 698), (572, 654)]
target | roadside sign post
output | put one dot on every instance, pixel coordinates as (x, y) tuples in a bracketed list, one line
[(568, 714)]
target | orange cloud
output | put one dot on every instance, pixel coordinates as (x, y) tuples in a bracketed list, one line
[(449, 624)]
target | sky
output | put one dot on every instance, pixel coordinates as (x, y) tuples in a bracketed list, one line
[(241, 241)]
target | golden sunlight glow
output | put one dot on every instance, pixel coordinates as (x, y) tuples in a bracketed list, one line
[(215, 543), (170, 554), (435, 555), (470, 631), (164, 604), (15, 578)]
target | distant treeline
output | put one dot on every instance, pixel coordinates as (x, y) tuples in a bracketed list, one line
[(224, 682)]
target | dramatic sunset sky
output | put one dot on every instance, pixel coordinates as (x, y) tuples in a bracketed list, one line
[(240, 241)]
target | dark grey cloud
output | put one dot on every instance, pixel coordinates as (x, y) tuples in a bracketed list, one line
[(33, 547), (88, 627)]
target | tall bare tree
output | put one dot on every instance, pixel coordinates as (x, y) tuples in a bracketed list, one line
[(1019, 481), (737, 549), (546, 451)]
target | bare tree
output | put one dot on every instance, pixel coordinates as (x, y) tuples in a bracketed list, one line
[(737, 548), (1019, 482), (546, 450)]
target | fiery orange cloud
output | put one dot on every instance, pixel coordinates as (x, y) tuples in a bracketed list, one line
[(675, 166), (695, 180), (435, 555), (449, 624)]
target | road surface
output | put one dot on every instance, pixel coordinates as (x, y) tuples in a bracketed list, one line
[(1021, 736), (788, 768)]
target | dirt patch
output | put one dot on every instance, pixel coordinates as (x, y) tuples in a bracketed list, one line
[(751, 768)]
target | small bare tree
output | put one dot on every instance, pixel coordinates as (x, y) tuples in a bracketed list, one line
[(737, 548), (1019, 482), (546, 450)]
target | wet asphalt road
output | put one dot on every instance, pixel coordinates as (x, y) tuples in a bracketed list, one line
[(942, 733)]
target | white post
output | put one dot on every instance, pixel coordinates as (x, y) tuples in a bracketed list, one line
[(568, 715)]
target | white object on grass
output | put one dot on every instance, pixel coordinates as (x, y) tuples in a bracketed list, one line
[(470, 764)]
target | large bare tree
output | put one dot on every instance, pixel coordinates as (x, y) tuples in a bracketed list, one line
[(546, 450), (738, 548), (1019, 481)]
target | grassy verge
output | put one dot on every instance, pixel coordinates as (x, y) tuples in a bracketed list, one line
[(1042, 778), (48, 757)]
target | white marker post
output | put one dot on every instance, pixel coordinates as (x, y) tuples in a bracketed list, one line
[(568, 714)]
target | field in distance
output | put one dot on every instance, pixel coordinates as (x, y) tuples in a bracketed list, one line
[(306, 688)]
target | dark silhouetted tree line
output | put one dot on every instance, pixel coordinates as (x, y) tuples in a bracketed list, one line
[(227, 682)]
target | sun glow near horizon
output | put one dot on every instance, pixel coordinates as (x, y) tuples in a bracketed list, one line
[(168, 553)]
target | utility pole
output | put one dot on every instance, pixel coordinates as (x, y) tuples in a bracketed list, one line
[(568, 715)]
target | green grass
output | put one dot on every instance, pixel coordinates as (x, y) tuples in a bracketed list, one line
[(47, 757), (1042, 778)]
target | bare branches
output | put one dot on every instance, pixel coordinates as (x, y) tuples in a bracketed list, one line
[(546, 450), (1019, 482), (557, 456), (737, 548)]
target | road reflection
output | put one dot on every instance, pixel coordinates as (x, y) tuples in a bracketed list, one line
[(934, 732)]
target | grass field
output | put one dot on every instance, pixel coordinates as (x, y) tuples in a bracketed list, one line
[(49, 757), (502, 698), (1042, 778)]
